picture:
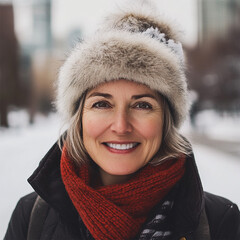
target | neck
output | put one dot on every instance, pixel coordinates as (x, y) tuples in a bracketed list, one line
[(108, 179)]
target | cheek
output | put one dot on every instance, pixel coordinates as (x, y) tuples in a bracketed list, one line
[(151, 129), (92, 126)]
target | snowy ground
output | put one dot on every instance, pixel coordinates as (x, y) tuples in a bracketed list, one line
[(219, 126), (22, 146), (21, 149)]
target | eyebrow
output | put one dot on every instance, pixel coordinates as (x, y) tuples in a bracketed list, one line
[(144, 95), (109, 96), (99, 94)]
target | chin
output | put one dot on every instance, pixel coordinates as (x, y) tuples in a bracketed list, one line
[(121, 171)]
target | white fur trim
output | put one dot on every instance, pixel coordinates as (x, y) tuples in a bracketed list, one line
[(121, 54)]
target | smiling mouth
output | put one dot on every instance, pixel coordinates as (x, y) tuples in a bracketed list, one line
[(125, 146)]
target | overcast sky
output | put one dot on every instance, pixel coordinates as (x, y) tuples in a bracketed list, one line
[(86, 14), (68, 15)]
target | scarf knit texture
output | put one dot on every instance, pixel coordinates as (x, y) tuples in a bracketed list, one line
[(119, 211)]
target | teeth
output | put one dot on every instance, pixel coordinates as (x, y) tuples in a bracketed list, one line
[(121, 146)]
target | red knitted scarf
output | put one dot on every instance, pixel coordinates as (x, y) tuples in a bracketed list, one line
[(118, 211)]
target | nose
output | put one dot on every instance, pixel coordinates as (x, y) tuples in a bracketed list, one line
[(121, 123)]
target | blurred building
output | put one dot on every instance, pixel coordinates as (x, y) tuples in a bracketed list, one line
[(42, 34), (216, 17), (28, 63), (215, 60), (36, 54), (9, 84), (28, 25)]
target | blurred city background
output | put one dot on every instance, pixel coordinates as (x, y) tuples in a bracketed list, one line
[(35, 38)]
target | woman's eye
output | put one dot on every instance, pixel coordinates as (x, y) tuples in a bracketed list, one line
[(143, 105), (101, 104)]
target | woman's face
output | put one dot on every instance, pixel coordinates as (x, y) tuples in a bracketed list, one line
[(122, 127)]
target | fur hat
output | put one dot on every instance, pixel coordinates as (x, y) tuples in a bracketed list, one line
[(138, 45)]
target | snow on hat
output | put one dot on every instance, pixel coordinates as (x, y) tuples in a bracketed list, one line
[(135, 44)]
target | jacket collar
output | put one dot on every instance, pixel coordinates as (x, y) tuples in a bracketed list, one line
[(189, 201), (46, 181)]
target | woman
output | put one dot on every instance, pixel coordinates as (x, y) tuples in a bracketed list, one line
[(122, 170)]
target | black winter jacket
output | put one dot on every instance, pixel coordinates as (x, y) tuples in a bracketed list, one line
[(63, 222)]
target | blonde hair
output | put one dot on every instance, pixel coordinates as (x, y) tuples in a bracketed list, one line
[(173, 143)]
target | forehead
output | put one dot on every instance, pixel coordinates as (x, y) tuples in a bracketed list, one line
[(123, 86)]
